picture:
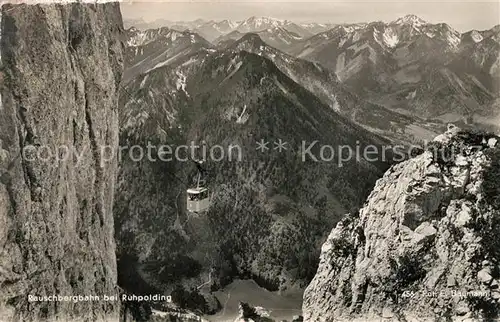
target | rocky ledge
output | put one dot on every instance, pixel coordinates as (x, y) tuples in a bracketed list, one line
[(424, 247)]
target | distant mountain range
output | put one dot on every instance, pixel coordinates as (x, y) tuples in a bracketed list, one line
[(409, 77), (425, 69), (211, 30)]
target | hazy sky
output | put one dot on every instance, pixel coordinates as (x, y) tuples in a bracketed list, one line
[(463, 15)]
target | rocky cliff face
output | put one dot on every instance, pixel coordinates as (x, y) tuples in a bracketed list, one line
[(62, 66), (425, 246)]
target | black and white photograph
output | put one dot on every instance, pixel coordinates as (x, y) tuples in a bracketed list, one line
[(249, 161)]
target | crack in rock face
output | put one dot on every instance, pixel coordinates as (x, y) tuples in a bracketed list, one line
[(425, 245), (59, 88)]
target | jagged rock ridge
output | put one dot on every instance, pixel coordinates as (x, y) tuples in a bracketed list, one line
[(425, 245), (61, 65)]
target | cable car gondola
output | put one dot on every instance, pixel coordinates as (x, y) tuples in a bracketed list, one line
[(198, 198)]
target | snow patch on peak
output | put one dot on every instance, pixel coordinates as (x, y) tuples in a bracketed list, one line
[(476, 36), (453, 40), (232, 24), (390, 38), (141, 38), (173, 35), (348, 29), (259, 21), (410, 20)]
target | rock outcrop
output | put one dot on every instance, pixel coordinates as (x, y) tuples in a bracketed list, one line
[(61, 67), (248, 313), (425, 247)]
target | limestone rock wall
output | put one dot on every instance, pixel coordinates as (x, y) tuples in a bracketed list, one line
[(61, 68), (425, 246)]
